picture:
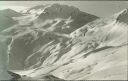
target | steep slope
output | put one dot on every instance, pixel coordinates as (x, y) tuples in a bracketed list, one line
[(100, 53), (33, 43), (89, 50)]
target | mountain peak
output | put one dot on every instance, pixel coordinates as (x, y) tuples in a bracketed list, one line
[(65, 13), (122, 16), (62, 11), (58, 10)]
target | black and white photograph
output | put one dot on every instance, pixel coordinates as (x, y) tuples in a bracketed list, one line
[(63, 40)]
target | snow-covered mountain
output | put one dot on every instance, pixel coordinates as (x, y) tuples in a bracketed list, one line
[(31, 38), (65, 43), (65, 19)]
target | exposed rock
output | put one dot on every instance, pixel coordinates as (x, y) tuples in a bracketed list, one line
[(65, 43), (122, 16)]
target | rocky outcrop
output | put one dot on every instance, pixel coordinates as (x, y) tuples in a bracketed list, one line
[(122, 16)]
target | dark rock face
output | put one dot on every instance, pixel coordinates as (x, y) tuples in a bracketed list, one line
[(56, 11), (51, 77), (59, 11), (123, 16), (14, 75), (27, 47)]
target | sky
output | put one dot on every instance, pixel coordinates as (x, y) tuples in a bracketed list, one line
[(98, 8)]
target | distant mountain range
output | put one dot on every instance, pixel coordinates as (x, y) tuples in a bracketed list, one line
[(6, 19)]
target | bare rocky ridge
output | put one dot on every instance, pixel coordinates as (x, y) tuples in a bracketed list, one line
[(57, 45), (122, 16)]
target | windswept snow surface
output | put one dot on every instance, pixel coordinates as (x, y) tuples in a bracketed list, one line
[(62, 42)]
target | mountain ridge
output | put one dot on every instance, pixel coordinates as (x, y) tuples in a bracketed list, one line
[(122, 16), (60, 46)]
